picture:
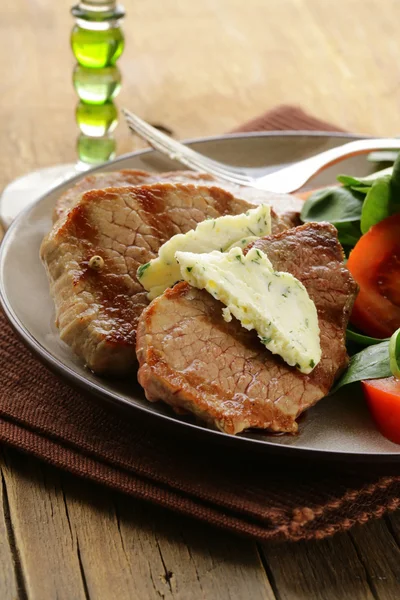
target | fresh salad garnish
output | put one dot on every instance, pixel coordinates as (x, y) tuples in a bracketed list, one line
[(366, 213), (378, 369), (360, 339), (340, 206), (371, 363), (394, 354), (374, 263), (355, 205), (383, 399)]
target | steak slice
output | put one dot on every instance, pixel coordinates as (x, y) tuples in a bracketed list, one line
[(195, 361), (286, 207), (98, 181), (97, 311)]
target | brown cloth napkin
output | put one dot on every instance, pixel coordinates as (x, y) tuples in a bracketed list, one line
[(258, 495)]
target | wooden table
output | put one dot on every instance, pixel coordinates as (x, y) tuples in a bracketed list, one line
[(199, 68)]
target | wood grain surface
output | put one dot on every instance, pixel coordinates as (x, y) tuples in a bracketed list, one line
[(197, 68)]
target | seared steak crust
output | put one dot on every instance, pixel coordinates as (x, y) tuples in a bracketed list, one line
[(284, 206), (195, 361), (98, 181), (97, 311)]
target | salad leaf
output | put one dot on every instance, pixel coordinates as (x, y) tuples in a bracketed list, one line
[(362, 190), (377, 174), (348, 233), (361, 339), (371, 363), (349, 181), (377, 204), (394, 353), (333, 204), (395, 187)]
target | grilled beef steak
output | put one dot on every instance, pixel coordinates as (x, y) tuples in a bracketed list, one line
[(98, 181), (97, 310), (285, 206), (195, 361)]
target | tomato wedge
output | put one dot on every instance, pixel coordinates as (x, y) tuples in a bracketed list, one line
[(375, 265), (383, 398)]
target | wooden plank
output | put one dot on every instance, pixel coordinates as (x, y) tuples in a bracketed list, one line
[(199, 560), (47, 545), (152, 553), (328, 569), (9, 559), (379, 552), (113, 567), (393, 523)]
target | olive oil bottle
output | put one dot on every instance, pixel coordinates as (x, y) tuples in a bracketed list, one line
[(97, 42)]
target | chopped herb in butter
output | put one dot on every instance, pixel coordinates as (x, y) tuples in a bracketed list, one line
[(211, 234), (275, 304), (142, 269)]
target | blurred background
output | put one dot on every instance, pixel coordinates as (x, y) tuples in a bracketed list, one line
[(201, 68)]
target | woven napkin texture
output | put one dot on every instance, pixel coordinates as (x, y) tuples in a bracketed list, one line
[(258, 495)]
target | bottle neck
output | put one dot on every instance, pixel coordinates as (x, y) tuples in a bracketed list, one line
[(98, 11), (98, 4)]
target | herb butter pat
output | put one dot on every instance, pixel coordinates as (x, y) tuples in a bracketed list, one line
[(212, 234), (275, 304)]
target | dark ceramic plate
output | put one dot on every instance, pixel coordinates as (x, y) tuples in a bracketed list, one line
[(338, 426)]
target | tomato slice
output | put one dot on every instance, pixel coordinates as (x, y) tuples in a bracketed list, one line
[(375, 265), (383, 399)]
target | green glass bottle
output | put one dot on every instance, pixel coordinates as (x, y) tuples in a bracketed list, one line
[(97, 48), (95, 151), (96, 120), (97, 41), (96, 86)]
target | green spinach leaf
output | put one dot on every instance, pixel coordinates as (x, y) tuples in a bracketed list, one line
[(377, 204), (395, 187), (361, 339), (349, 181), (333, 204), (371, 363), (348, 233), (377, 174), (394, 353), (362, 190)]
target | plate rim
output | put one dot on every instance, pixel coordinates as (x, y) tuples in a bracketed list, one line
[(56, 365)]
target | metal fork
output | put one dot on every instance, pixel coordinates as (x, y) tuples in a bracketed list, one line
[(285, 180)]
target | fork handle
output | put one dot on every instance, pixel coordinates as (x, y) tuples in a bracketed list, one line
[(291, 178)]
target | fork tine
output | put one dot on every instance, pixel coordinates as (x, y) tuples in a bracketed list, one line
[(182, 153), (153, 134)]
